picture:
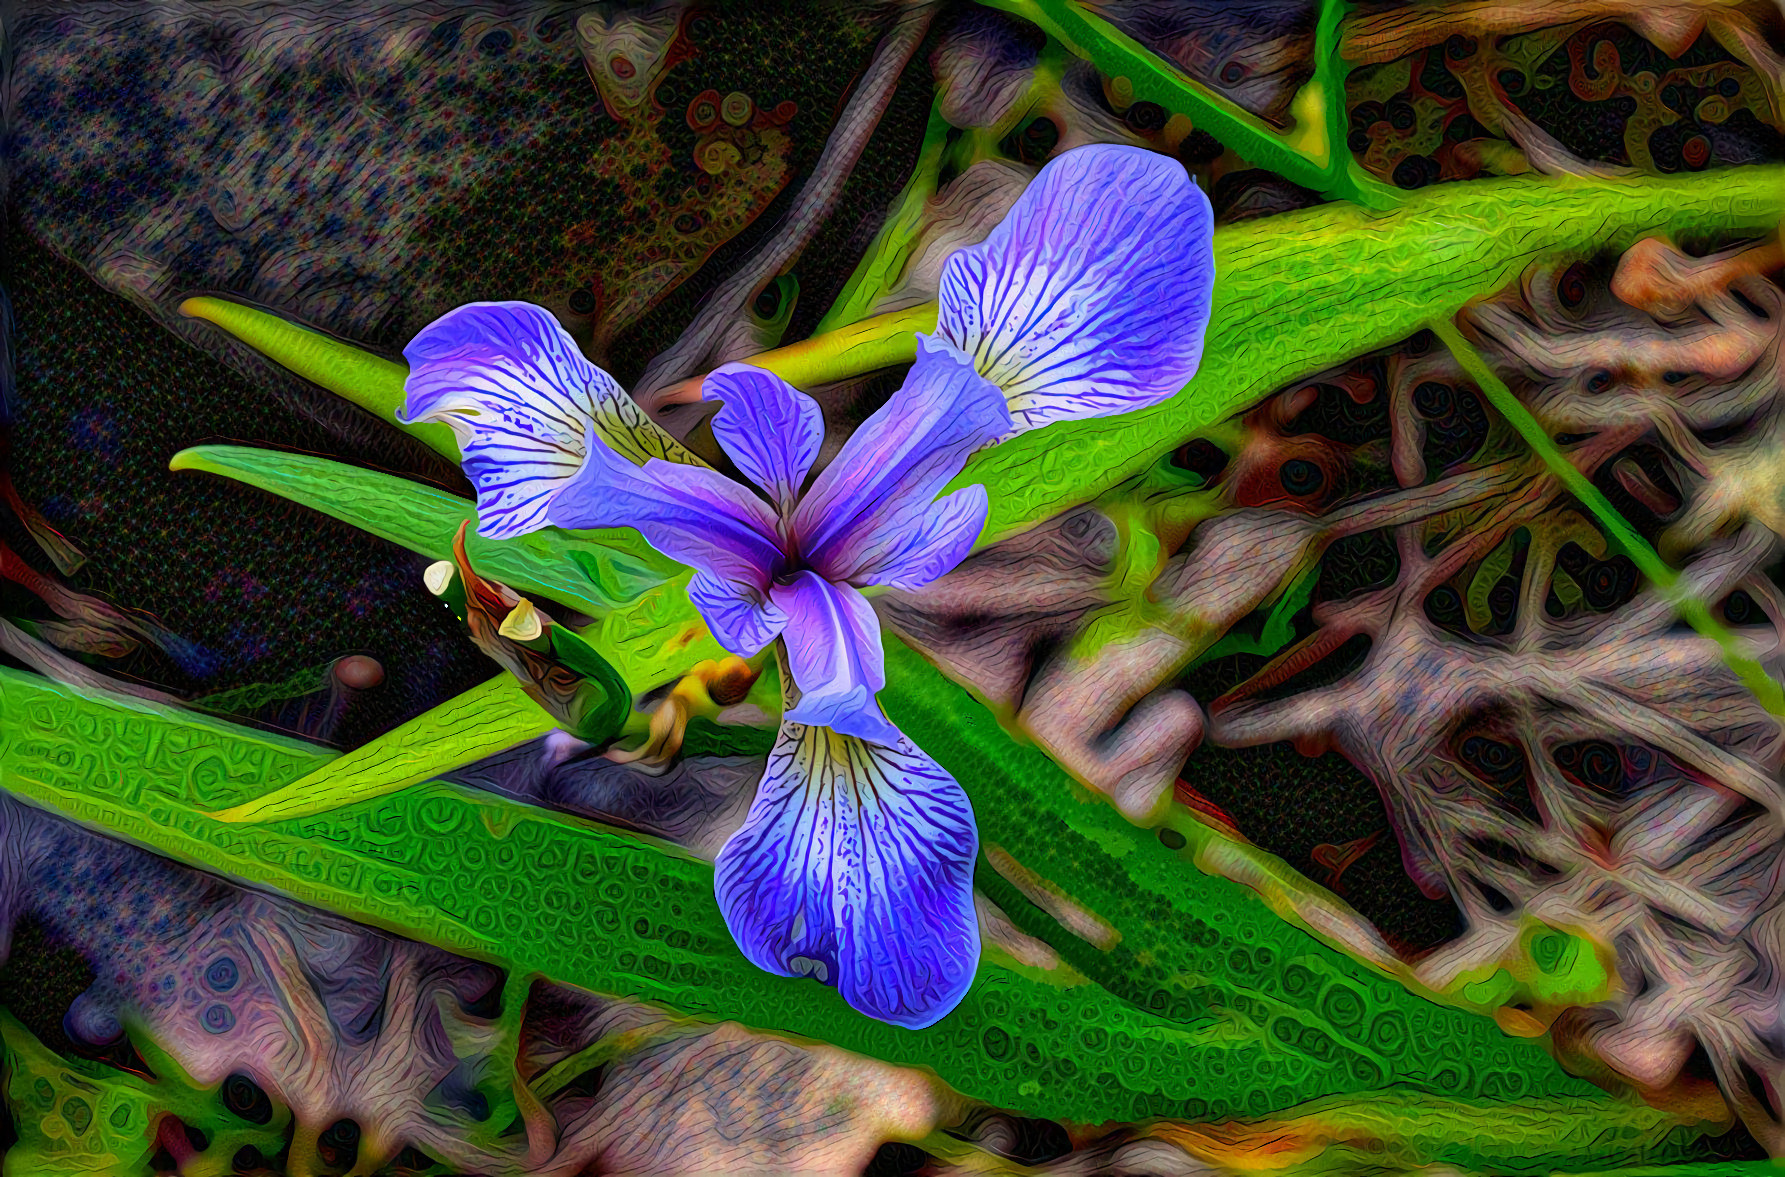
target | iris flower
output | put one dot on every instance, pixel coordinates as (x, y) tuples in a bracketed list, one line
[(855, 864)]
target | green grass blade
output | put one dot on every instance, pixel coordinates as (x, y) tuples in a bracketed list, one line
[(1647, 560), (594, 576), (1198, 949), (1306, 155), (891, 249), (541, 893), (644, 625), (480, 722), (1297, 293), (369, 381)]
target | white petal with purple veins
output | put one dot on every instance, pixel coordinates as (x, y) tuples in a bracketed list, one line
[(521, 400), (1091, 296)]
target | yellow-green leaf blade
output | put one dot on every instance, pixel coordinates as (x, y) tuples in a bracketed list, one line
[(480, 722)]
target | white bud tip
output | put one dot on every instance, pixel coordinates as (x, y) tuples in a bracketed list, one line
[(523, 623), (439, 576)]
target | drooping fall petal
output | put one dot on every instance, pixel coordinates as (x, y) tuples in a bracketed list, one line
[(855, 866), (833, 650), (1091, 296), (522, 402)]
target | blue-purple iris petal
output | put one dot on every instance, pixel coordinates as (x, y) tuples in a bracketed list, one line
[(519, 397), (769, 428), (692, 514), (911, 558), (834, 653), (1092, 294), (883, 484), (741, 619), (855, 866)]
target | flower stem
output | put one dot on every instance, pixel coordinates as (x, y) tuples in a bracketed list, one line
[(1311, 154), (892, 247), (691, 352)]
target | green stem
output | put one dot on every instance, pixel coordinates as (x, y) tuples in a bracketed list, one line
[(1307, 155), (1618, 530), (1330, 72), (854, 350), (610, 1048)]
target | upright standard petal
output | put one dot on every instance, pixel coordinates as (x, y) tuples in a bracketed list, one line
[(855, 866), (834, 653), (878, 491), (768, 427), (743, 619), (520, 398), (911, 557), (1091, 296), (692, 514)]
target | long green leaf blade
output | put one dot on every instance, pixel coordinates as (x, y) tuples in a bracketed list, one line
[(1298, 293), (425, 519), (369, 381), (651, 637), (540, 893), (480, 722)]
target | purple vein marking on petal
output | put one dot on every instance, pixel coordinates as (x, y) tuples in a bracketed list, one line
[(769, 428), (1142, 335), (692, 514), (518, 396), (510, 354), (1063, 200), (910, 558), (883, 484), (1091, 297), (834, 652), (855, 865)]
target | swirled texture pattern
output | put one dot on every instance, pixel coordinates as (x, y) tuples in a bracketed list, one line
[(1589, 785)]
